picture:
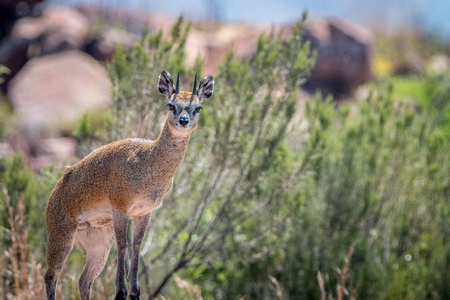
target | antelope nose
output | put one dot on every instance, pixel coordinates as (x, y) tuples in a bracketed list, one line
[(184, 120)]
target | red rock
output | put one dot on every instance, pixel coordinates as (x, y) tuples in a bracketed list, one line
[(344, 53), (344, 50), (5, 150), (56, 89), (46, 152), (59, 28), (102, 47), (13, 55), (213, 46), (8, 3)]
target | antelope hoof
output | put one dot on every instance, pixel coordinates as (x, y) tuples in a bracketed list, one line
[(134, 297), (121, 296)]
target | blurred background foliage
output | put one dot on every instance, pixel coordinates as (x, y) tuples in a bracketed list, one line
[(348, 199)]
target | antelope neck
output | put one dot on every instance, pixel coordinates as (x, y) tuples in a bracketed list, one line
[(169, 148)]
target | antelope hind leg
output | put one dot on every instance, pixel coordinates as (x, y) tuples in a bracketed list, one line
[(60, 242), (95, 243)]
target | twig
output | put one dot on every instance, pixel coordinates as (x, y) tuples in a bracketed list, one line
[(180, 264), (323, 293), (277, 287), (340, 289)]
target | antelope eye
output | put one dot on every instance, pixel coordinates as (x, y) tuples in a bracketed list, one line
[(171, 107), (198, 109)]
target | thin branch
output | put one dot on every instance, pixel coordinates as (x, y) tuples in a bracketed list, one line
[(170, 241), (252, 258), (180, 264), (277, 287), (189, 219), (205, 201)]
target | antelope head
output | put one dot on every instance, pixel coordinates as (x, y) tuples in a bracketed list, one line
[(184, 107)]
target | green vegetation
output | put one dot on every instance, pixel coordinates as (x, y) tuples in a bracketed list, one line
[(347, 202), (411, 89)]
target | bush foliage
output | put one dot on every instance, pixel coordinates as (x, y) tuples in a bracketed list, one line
[(346, 201)]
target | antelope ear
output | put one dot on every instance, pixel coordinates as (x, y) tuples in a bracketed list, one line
[(165, 84), (205, 89)]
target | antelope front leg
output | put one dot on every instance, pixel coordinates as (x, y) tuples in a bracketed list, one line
[(139, 226), (120, 223)]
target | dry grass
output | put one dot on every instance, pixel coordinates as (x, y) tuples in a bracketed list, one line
[(104, 286), (277, 287), (342, 292), (193, 291), (24, 278)]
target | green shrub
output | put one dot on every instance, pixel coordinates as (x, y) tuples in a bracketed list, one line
[(263, 203), (382, 183), (260, 196), (238, 162)]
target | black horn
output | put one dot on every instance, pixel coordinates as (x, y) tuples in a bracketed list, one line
[(194, 89), (177, 89)]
